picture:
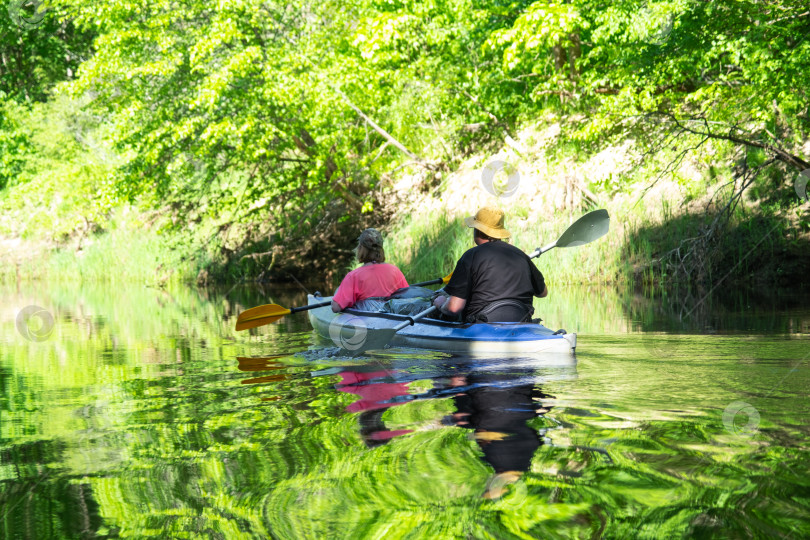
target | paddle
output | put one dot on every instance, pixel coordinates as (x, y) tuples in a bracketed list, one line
[(379, 338), (586, 229), (436, 281), (268, 313)]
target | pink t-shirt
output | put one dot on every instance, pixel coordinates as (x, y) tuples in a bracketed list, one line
[(379, 279)]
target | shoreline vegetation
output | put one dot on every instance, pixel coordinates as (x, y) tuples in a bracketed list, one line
[(247, 158)]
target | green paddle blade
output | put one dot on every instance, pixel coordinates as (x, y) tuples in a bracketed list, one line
[(586, 229)]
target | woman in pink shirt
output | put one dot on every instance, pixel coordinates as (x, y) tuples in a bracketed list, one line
[(364, 287)]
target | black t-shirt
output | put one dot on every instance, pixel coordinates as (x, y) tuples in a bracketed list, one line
[(494, 271)]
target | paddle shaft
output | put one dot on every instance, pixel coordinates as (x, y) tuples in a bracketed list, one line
[(539, 251), (381, 338), (439, 281), (311, 306), (415, 318)]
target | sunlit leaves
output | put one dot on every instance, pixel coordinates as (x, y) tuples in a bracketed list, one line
[(235, 105), (739, 63), (542, 25)]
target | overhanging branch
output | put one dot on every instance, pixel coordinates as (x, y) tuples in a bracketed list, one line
[(781, 155)]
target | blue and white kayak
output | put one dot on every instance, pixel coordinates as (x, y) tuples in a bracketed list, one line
[(349, 328)]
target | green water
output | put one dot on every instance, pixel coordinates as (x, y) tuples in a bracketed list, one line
[(140, 413)]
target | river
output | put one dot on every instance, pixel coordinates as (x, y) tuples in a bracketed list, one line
[(128, 411)]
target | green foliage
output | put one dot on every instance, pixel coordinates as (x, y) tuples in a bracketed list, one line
[(740, 65), (238, 124), (59, 173), (40, 47), (426, 246), (14, 144), (252, 88)]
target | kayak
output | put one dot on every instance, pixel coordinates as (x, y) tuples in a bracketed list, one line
[(349, 328)]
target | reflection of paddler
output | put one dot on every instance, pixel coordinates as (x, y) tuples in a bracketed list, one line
[(499, 416), (375, 397)]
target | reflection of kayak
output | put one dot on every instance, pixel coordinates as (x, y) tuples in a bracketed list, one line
[(349, 328)]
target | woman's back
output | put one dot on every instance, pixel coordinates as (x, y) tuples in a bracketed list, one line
[(372, 280), (375, 279)]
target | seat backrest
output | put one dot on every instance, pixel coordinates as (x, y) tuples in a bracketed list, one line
[(503, 311)]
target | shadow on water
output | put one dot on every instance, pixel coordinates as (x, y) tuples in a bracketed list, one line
[(723, 312)]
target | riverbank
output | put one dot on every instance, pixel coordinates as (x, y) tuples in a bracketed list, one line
[(678, 220)]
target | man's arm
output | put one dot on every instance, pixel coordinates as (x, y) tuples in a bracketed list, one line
[(538, 281)]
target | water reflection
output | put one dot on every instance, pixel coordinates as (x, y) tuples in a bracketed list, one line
[(144, 415), (496, 399), (499, 416), (377, 391)]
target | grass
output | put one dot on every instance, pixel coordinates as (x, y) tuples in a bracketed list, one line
[(426, 247), (128, 252), (763, 242)]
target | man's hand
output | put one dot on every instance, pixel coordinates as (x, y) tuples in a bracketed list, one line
[(452, 305)]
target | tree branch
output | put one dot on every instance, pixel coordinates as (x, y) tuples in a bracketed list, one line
[(780, 154), (387, 136)]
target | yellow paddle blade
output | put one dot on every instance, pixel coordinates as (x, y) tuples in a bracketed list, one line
[(260, 315), (446, 278)]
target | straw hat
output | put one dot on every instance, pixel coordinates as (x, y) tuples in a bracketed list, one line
[(488, 220)]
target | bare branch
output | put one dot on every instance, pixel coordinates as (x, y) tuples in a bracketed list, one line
[(387, 136), (781, 155)]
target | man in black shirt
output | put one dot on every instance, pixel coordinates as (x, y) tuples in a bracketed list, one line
[(494, 281)]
